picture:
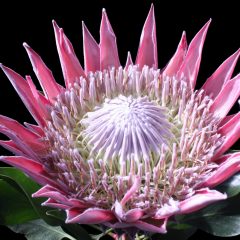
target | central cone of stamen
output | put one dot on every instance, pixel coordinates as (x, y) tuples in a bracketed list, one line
[(127, 126)]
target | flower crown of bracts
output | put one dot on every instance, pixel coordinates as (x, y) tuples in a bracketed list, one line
[(126, 147)]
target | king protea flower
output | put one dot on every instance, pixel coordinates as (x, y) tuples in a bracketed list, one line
[(126, 146)]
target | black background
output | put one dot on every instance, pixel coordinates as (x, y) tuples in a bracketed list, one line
[(31, 23)]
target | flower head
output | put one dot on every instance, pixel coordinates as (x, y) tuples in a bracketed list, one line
[(126, 146)]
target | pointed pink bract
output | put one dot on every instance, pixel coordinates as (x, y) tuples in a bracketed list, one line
[(51, 192), (129, 216), (226, 98), (71, 67), (91, 51), (147, 51), (89, 216), (133, 215), (20, 130), (221, 76), (191, 64), (226, 119), (24, 91), (12, 147), (54, 204), (231, 133), (200, 199), (32, 168), (50, 87), (41, 101), (177, 60), (157, 226), (228, 168), (108, 45)]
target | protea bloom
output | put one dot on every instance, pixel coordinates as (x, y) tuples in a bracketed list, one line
[(126, 147)]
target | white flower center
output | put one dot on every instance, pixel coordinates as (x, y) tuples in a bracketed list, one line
[(126, 126)]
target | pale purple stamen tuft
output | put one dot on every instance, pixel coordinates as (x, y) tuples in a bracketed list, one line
[(126, 126)]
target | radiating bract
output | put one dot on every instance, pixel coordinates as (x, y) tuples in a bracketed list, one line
[(126, 146)]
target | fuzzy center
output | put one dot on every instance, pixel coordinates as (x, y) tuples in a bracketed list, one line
[(127, 126)]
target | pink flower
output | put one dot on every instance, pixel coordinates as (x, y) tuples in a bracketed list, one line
[(126, 146)]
